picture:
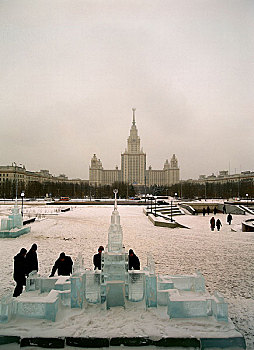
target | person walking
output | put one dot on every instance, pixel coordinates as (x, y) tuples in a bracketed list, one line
[(19, 274), (218, 224), (63, 265), (204, 211), (208, 210), (224, 209), (229, 218), (212, 223), (32, 260), (133, 261), (215, 210), (97, 258)]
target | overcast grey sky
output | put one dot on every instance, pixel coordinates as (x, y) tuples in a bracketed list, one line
[(71, 71)]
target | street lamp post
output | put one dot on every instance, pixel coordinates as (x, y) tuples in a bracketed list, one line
[(22, 197), (155, 206)]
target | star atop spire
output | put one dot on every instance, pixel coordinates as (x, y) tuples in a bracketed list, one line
[(133, 121)]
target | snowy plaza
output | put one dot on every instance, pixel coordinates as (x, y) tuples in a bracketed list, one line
[(224, 258)]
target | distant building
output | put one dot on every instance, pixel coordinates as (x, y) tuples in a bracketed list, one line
[(133, 167), (13, 173)]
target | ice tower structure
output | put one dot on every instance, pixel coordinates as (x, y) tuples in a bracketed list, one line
[(114, 263)]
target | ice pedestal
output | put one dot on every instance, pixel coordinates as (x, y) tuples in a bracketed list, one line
[(77, 291), (38, 307), (115, 293), (151, 290), (187, 305), (93, 287), (136, 285), (8, 307)]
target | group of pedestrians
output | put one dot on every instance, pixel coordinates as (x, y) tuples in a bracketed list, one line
[(208, 210), (218, 223), (26, 262)]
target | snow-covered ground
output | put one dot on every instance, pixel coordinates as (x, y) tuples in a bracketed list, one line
[(225, 258)]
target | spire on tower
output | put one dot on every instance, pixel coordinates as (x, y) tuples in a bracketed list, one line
[(133, 111)]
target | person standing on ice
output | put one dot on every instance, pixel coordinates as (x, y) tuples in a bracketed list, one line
[(218, 224), (133, 261), (208, 210), (229, 218), (31, 260), (204, 211), (63, 265), (97, 258), (212, 223), (215, 210), (19, 272)]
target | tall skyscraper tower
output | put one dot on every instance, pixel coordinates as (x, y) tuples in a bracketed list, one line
[(133, 167), (133, 160)]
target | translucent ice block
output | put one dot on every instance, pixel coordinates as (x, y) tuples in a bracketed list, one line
[(136, 282), (115, 293)]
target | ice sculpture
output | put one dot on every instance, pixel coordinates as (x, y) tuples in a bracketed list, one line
[(183, 296), (12, 226)]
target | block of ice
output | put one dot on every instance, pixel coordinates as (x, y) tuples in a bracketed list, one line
[(77, 292), (115, 293), (219, 307), (47, 283), (162, 297), (187, 305), (136, 283), (8, 307), (32, 281), (93, 287), (151, 290), (39, 307), (63, 283)]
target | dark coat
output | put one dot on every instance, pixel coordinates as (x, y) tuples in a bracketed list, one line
[(97, 261), (229, 218), (31, 261), (134, 262), (20, 269), (218, 223), (64, 268), (212, 222)]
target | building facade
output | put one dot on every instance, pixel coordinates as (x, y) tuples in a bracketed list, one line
[(133, 167)]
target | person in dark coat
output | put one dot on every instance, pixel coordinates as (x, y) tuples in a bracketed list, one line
[(215, 210), (208, 210), (133, 261), (212, 223), (229, 218), (218, 224), (224, 209), (31, 260), (19, 272), (204, 211), (97, 258), (63, 265)]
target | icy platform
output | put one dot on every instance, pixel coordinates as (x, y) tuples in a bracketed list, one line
[(115, 306), (12, 226)]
